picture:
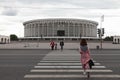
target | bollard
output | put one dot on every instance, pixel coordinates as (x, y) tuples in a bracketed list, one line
[(97, 47)]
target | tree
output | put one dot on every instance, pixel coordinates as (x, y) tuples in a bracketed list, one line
[(108, 38), (13, 37)]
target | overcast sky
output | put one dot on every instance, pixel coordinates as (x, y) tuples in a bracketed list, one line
[(14, 12)]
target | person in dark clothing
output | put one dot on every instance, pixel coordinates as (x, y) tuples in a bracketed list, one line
[(61, 44)]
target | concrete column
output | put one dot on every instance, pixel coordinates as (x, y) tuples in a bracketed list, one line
[(68, 28), (86, 30), (25, 30), (74, 29), (90, 28), (92, 31), (38, 30), (80, 29), (47, 30), (31, 30), (78, 26), (34, 30), (40, 26), (83, 33), (95, 30), (41, 29), (53, 29)]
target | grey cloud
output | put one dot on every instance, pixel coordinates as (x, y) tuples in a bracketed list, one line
[(104, 4), (10, 12), (41, 1), (41, 6), (97, 4)]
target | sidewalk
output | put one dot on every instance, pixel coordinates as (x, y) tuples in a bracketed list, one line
[(37, 45)]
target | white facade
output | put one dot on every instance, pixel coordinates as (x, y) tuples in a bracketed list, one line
[(60, 28), (116, 39), (4, 39)]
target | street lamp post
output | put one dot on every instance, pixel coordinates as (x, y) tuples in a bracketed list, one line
[(80, 36), (41, 36), (38, 40), (102, 19)]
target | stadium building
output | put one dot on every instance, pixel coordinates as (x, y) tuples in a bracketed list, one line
[(60, 28)]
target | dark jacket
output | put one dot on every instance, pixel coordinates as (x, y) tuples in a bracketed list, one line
[(61, 43)]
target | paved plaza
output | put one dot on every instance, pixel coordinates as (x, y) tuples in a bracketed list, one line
[(46, 45)]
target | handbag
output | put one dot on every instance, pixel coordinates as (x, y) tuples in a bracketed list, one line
[(91, 63)]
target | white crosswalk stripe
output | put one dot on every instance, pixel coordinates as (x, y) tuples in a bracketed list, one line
[(60, 61), (48, 61), (71, 76), (78, 70), (66, 67), (67, 61), (62, 64)]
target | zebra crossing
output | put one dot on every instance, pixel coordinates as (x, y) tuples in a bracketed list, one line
[(66, 64)]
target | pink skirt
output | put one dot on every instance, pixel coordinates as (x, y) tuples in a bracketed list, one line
[(85, 66)]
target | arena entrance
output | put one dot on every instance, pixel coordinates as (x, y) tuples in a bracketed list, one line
[(61, 33)]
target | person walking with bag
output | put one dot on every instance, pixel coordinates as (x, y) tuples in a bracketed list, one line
[(85, 56)]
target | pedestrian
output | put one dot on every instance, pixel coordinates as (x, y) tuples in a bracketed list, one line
[(85, 56), (52, 44), (56, 46), (61, 44)]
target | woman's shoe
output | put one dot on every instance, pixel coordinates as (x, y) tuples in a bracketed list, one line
[(88, 74), (84, 72)]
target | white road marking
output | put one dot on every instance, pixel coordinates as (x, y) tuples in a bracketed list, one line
[(36, 70), (66, 67), (59, 61), (63, 64), (51, 61), (71, 76)]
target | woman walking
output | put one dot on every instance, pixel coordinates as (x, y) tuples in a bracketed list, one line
[(85, 56)]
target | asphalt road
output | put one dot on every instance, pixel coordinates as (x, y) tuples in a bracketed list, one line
[(109, 58), (15, 64)]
